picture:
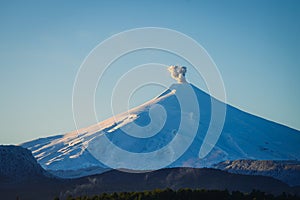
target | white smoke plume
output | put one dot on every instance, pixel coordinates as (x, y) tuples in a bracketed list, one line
[(178, 73)]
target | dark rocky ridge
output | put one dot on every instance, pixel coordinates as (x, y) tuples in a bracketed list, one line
[(22, 177), (286, 171), (17, 164)]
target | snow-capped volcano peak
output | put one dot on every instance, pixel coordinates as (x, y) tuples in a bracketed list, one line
[(155, 129), (65, 151)]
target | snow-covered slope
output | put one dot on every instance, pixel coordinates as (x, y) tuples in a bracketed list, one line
[(244, 136)]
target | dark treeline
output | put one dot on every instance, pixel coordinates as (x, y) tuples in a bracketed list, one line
[(185, 194)]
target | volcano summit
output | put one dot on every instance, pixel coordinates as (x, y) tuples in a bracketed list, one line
[(127, 140)]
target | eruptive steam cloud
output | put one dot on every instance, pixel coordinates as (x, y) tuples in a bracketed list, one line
[(178, 73)]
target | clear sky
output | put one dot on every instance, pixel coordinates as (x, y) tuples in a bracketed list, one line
[(255, 44)]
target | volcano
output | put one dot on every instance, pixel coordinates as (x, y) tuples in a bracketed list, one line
[(96, 148)]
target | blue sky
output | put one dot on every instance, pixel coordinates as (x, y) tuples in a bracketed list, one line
[(255, 45)]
